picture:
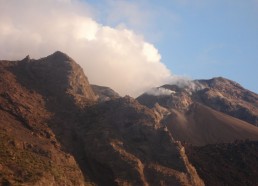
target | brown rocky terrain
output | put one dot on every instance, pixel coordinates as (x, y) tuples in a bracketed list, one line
[(31, 153), (201, 125), (226, 164), (104, 93), (208, 116), (138, 151), (218, 93), (206, 111), (57, 129), (54, 131), (229, 97)]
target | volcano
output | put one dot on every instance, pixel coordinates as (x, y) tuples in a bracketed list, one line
[(58, 129)]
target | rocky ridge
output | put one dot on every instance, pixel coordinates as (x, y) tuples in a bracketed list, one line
[(203, 112), (220, 94)]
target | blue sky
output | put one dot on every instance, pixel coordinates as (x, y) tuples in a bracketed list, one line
[(197, 38)]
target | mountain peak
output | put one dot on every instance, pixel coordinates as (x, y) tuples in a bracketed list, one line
[(219, 93), (58, 55), (55, 75), (26, 59), (219, 82)]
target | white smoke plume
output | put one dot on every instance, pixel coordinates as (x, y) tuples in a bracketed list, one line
[(182, 82), (114, 57), (160, 91), (186, 83)]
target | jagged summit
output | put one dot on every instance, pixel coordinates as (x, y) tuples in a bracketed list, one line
[(219, 93), (59, 56), (203, 108), (26, 59), (56, 74), (219, 82)]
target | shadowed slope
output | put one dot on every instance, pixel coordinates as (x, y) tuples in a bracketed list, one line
[(201, 125), (233, 164), (229, 97), (137, 150)]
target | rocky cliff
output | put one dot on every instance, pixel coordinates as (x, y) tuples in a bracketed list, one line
[(33, 93)]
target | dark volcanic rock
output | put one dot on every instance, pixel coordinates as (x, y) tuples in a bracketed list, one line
[(31, 92), (226, 164), (56, 75), (54, 132), (104, 93), (192, 112), (131, 147), (211, 115), (218, 93), (229, 97)]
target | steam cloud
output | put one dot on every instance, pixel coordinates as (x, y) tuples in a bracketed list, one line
[(160, 91), (114, 57), (182, 82)]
